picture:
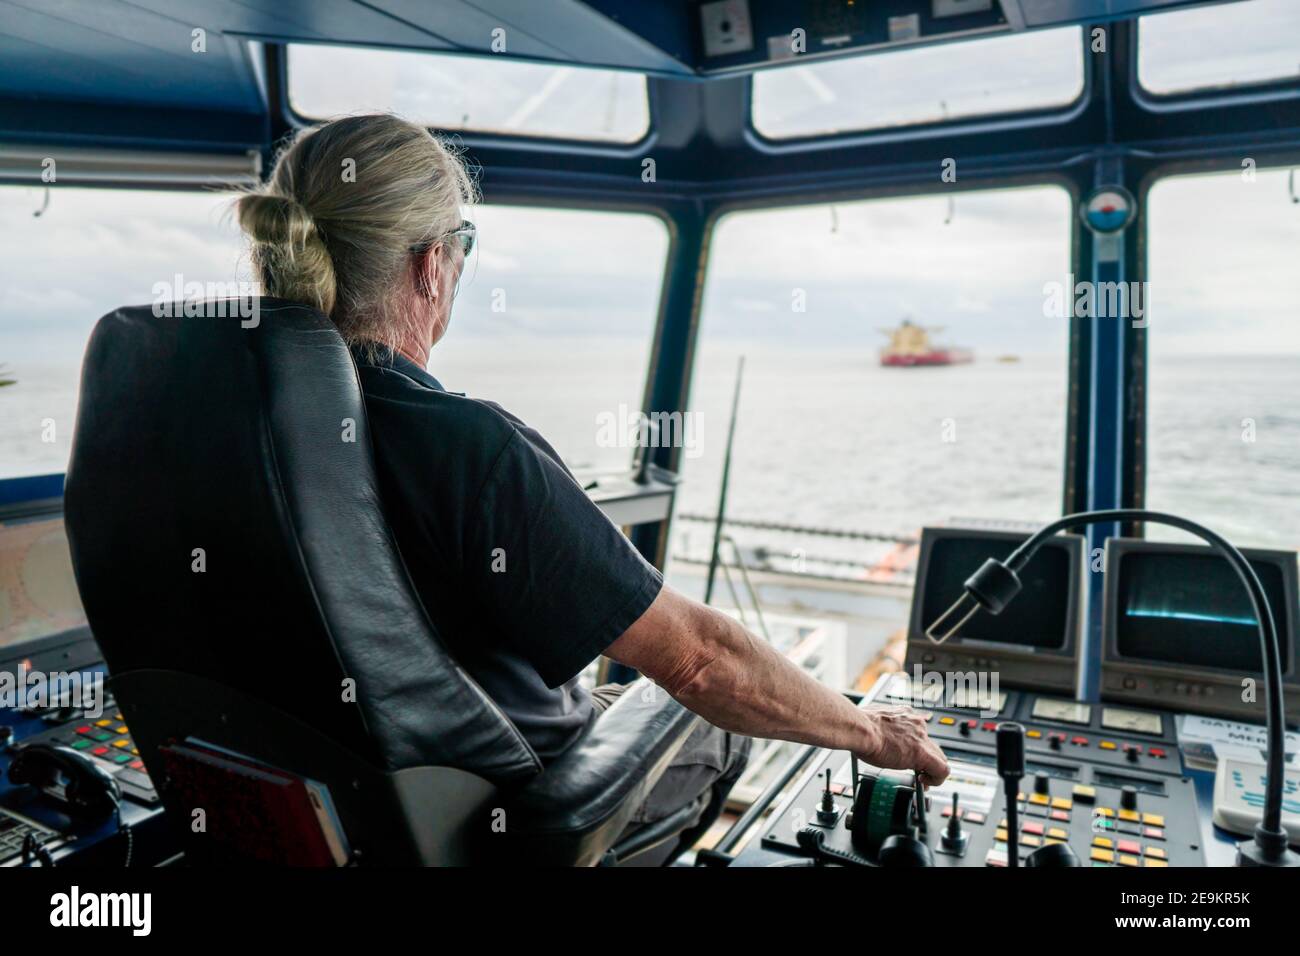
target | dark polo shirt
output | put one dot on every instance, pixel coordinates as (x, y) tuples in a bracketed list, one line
[(526, 580)]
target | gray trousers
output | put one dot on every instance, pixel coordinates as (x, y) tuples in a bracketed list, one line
[(703, 772)]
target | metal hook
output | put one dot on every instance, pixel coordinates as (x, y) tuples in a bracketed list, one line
[(952, 211), (835, 220), (44, 205)]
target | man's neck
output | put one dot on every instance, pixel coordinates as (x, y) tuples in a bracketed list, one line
[(417, 354)]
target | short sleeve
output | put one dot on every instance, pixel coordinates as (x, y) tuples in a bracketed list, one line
[(559, 579)]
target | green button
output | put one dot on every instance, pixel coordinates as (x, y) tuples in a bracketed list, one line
[(122, 758), (101, 737), (80, 744)]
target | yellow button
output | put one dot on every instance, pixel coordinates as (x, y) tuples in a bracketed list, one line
[(1156, 863), (1053, 840), (1028, 840), (1035, 734), (1104, 842), (1084, 794), (121, 743), (1062, 803), (1102, 856), (121, 730), (102, 723), (947, 721), (1104, 812), (135, 751), (1040, 799), (1107, 745), (1058, 833), (1131, 816), (1127, 860), (1155, 851), (1000, 835), (1153, 819)]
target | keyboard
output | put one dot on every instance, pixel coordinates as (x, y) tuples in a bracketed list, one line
[(14, 831)]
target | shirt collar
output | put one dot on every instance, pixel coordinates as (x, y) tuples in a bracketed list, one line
[(399, 363)]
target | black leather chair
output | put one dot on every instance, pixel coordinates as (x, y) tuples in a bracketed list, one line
[(246, 591)]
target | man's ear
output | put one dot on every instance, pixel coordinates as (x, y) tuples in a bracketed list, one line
[(427, 265)]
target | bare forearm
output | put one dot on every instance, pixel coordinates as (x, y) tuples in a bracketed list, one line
[(738, 682), (747, 687)]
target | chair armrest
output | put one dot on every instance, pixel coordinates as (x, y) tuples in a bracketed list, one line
[(577, 807)]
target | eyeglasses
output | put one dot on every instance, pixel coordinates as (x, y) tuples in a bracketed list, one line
[(465, 234)]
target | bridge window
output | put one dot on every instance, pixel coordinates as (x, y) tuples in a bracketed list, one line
[(554, 320), (932, 84), (482, 94), (71, 255), (1223, 394), (829, 437), (1230, 45)]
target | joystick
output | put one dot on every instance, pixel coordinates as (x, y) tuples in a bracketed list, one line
[(827, 814), (954, 839)]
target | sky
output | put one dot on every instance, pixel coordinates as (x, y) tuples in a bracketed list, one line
[(1222, 248)]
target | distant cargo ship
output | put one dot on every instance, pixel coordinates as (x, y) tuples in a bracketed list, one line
[(910, 346)]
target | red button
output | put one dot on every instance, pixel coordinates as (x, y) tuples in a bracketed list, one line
[(1158, 752), (972, 724), (136, 765), (1128, 846), (1035, 828), (1063, 815), (990, 725), (1079, 741), (1137, 747), (1153, 833), (97, 751), (85, 730)]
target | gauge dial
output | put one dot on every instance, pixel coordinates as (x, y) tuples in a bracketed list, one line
[(1134, 721), (1064, 711)]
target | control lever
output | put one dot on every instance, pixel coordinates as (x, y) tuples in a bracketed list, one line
[(954, 838), (1011, 767)]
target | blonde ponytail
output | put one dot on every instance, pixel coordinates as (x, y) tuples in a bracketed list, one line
[(288, 251)]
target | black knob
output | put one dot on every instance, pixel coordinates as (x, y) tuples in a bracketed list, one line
[(1054, 742), (964, 729), (1128, 797), (1041, 781), (1131, 754), (1052, 854)]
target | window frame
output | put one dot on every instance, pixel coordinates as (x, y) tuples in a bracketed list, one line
[(601, 147), (1245, 94), (982, 123), (1075, 398), (1139, 350)]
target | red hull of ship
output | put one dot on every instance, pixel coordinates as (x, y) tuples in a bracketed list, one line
[(937, 357)]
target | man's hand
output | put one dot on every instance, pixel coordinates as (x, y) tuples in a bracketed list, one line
[(902, 743)]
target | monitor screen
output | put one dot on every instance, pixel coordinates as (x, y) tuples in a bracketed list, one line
[(38, 593), (1039, 617), (1189, 608)]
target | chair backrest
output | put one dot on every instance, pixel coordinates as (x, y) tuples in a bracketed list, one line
[(225, 523)]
